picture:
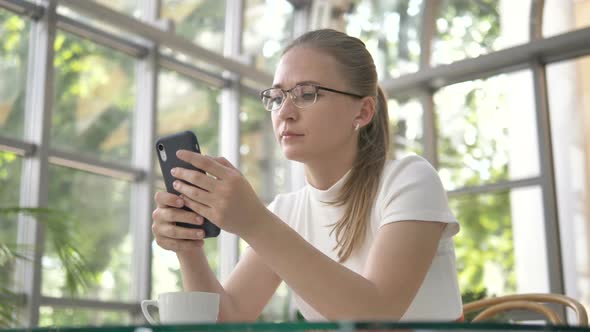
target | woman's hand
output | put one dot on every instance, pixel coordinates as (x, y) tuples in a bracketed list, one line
[(170, 236), (222, 195)]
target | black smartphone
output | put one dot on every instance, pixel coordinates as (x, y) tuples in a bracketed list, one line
[(166, 148)]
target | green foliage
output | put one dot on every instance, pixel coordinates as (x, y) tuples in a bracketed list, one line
[(87, 111), (65, 243), (13, 57), (376, 32), (81, 317)]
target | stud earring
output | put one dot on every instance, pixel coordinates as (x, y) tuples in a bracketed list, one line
[(357, 126)]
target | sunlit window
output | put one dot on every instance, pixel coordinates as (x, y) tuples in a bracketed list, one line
[(94, 232), (264, 45), (391, 32), (201, 22), (487, 131), (468, 29), (14, 52), (405, 120), (10, 171), (94, 99)]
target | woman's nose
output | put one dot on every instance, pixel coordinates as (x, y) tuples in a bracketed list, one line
[(288, 109)]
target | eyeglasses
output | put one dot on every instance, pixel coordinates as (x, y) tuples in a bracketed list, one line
[(302, 96)]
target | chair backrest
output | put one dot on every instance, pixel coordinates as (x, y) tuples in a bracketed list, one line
[(532, 302)]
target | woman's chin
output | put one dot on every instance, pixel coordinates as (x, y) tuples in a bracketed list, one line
[(293, 154)]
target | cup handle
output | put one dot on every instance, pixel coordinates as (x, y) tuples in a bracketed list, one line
[(144, 308)]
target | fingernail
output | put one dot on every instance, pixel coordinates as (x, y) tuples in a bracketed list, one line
[(199, 220), (200, 233), (175, 184), (178, 153), (173, 171)]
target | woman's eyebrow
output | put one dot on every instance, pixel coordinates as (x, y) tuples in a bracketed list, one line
[(278, 85)]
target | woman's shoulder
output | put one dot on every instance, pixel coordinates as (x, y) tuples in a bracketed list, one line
[(412, 175), (412, 165), (286, 200)]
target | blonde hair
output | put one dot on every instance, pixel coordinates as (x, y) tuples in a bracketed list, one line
[(360, 189)]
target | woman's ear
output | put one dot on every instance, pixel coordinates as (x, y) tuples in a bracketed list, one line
[(366, 112)]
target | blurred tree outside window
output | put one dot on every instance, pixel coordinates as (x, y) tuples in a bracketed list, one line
[(14, 52), (470, 28), (268, 26), (10, 171), (484, 247), (187, 104), (68, 316), (391, 32), (405, 125), (477, 133), (94, 99), (103, 221), (201, 22)]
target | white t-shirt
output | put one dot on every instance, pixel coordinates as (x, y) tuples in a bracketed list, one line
[(410, 189)]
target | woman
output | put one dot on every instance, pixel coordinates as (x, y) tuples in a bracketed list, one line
[(366, 239)]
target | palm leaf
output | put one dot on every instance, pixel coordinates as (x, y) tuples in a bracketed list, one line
[(7, 308), (78, 275)]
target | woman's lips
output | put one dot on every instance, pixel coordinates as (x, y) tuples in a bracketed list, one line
[(290, 136)]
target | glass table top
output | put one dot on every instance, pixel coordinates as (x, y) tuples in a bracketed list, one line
[(343, 326)]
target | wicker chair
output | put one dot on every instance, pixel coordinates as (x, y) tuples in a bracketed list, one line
[(532, 302)]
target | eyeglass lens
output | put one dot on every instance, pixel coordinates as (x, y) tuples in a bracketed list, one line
[(301, 95)]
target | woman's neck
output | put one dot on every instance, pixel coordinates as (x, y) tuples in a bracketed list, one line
[(324, 172)]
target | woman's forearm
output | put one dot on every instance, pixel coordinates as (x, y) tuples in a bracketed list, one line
[(332, 289), (198, 276)]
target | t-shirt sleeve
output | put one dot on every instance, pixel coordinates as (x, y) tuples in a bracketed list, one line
[(412, 190)]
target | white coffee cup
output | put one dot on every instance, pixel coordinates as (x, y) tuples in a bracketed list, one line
[(183, 308)]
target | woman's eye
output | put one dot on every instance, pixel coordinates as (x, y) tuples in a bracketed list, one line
[(308, 96)]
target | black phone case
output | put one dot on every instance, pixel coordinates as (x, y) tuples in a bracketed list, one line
[(185, 140)]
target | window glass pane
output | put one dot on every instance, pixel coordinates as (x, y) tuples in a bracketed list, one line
[(166, 276), (501, 246), (267, 30), (278, 308), (391, 32), (52, 316), (187, 104), (487, 131), (467, 29), (184, 104), (484, 246), (261, 159), (568, 86), (129, 7), (94, 99), (10, 173), (201, 22), (14, 52), (560, 16), (405, 119), (96, 223), (263, 164)]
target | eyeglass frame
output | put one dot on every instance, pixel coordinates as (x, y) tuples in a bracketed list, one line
[(287, 93)]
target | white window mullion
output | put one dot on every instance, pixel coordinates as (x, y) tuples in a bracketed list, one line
[(229, 125), (33, 191), (144, 132)]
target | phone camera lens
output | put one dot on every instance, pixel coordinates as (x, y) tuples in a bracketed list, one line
[(161, 147)]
